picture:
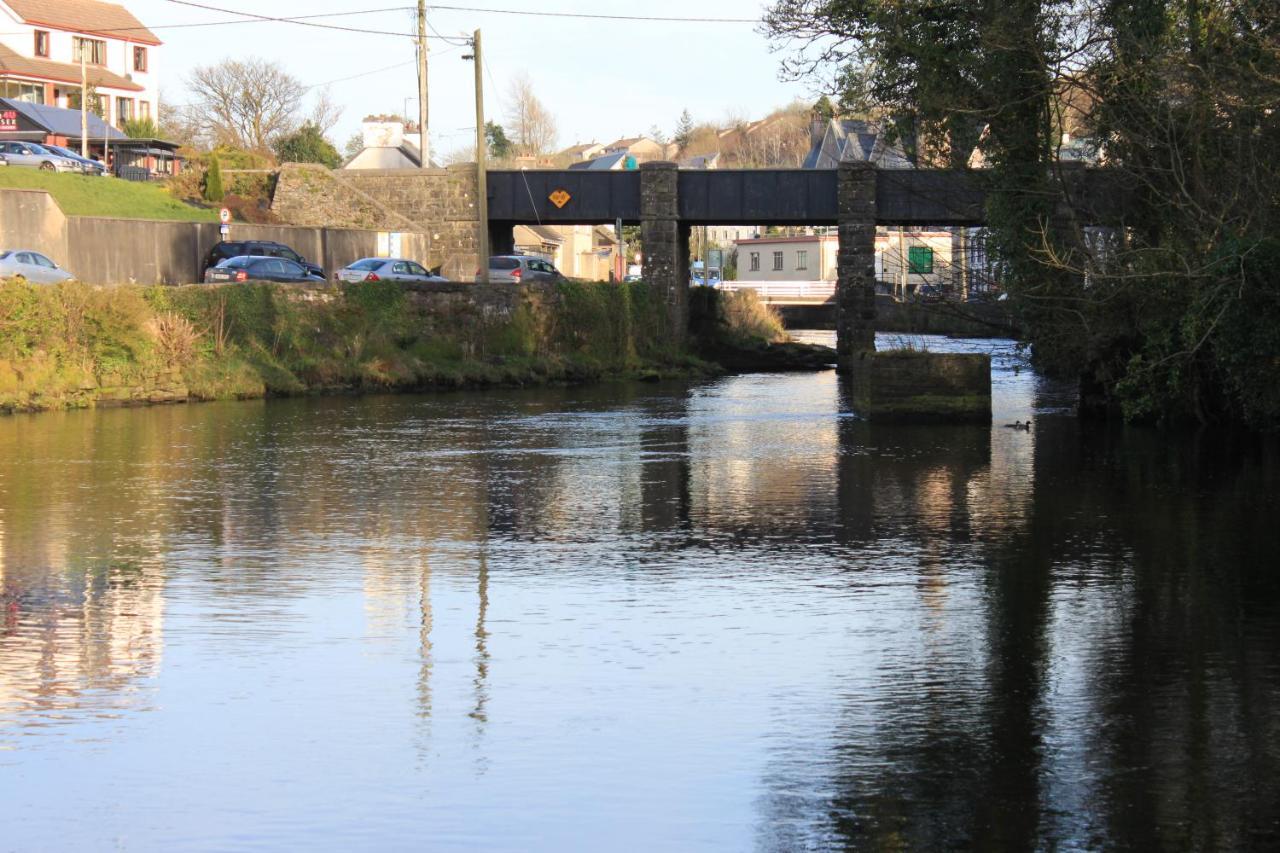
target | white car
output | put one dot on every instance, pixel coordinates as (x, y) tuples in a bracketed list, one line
[(32, 266), (385, 269)]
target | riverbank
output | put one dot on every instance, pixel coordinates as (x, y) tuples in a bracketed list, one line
[(76, 346), (73, 346)]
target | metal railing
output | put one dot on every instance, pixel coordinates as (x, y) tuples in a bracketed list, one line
[(786, 291)]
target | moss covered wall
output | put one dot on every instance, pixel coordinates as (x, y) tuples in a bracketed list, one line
[(73, 345)]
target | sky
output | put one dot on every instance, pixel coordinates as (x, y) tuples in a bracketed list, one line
[(601, 79)]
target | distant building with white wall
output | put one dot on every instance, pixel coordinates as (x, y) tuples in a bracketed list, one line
[(40, 47), (805, 258)]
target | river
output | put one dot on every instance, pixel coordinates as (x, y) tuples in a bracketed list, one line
[(719, 616)]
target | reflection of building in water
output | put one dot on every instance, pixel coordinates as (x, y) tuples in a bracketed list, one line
[(74, 631)]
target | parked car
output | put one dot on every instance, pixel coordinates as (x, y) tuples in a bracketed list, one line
[(88, 166), (32, 266), (927, 293), (515, 269), (260, 268), (385, 269), (36, 157), (257, 248)]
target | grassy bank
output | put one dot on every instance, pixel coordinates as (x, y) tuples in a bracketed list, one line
[(83, 195), (73, 345)]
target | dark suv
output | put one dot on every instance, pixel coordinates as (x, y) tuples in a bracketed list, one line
[(262, 248)]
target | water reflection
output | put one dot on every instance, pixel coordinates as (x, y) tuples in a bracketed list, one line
[(719, 616)]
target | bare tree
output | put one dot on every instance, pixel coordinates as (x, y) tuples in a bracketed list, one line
[(532, 127), (325, 112), (247, 103)]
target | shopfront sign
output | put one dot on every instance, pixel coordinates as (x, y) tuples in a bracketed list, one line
[(8, 120)]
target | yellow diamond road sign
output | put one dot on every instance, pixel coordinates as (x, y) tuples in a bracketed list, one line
[(560, 198)]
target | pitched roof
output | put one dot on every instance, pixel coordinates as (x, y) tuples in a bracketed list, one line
[(857, 140), (83, 16), (582, 148), (62, 122), (12, 62), (604, 163)]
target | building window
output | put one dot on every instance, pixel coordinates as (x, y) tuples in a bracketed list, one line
[(139, 59), (802, 260), (144, 109), (777, 260), (31, 93), (42, 43), (94, 51), (920, 260), (124, 110), (755, 262)]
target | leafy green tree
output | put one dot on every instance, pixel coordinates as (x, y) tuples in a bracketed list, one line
[(500, 147), (307, 145), (213, 180), (823, 109)]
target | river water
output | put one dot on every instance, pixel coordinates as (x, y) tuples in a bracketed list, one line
[(719, 616)]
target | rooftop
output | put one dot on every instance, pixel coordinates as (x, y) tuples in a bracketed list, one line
[(83, 16)]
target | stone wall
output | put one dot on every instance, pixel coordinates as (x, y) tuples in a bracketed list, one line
[(102, 250), (919, 387), (439, 203)]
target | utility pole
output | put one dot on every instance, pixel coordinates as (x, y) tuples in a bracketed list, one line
[(84, 106), (423, 145), (482, 152)]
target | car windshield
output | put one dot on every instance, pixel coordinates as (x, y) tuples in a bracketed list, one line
[(279, 251), (233, 263), (36, 149), (503, 263), (367, 264)]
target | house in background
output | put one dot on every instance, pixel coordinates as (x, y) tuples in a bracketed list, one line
[(642, 148), (578, 251), (905, 259), (138, 159), (390, 142), (41, 42), (615, 162), (805, 258), (581, 152), (841, 140)]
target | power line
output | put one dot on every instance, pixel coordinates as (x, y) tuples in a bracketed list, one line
[(299, 21), (597, 16)]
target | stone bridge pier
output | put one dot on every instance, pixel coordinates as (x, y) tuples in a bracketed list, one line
[(665, 237)]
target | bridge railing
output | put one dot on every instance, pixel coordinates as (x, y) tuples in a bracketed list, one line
[(786, 291)]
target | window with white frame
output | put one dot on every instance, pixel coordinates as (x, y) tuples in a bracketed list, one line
[(777, 261), (802, 259), (94, 50), (755, 262)]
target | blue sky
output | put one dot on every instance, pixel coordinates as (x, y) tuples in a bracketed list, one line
[(602, 79)]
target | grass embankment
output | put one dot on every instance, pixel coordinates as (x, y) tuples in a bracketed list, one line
[(73, 345), (84, 195)]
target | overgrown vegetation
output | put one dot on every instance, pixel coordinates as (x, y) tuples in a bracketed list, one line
[(84, 195), (73, 345), (1169, 318)]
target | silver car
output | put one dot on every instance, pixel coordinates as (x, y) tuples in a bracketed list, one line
[(36, 157), (32, 266), (517, 269), (386, 269)]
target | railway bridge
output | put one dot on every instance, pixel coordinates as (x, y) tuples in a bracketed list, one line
[(666, 202)]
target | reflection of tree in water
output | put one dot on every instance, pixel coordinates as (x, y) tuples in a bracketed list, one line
[(1154, 730)]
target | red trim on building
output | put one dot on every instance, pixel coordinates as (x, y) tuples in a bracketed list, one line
[(123, 35)]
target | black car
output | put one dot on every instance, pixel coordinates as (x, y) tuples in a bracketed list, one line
[(260, 268), (257, 248)]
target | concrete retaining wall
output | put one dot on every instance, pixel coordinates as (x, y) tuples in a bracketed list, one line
[(101, 250)]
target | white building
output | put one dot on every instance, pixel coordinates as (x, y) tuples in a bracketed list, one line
[(806, 258), (40, 48)]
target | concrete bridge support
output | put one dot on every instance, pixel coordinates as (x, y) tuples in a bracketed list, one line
[(666, 243), (856, 265)]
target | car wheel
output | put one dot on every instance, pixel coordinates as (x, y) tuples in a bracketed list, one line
[(46, 166)]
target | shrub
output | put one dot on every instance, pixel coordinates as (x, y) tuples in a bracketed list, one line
[(213, 180)]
